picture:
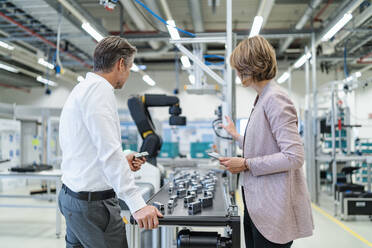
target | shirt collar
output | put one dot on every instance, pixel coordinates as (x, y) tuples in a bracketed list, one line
[(91, 76)]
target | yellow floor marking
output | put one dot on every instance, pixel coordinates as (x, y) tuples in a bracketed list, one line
[(239, 200), (342, 225)]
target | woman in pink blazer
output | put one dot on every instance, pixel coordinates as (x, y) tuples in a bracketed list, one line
[(277, 207)]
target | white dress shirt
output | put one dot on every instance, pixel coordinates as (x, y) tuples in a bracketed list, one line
[(90, 139)]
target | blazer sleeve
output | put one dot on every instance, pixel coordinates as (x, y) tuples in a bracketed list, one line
[(282, 117), (240, 141)]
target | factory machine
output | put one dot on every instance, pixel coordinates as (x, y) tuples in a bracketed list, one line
[(348, 158)]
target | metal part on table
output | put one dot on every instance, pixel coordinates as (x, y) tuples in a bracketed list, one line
[(187, 200), (159, 206), (194, 208), (203, 212), (206, 201)]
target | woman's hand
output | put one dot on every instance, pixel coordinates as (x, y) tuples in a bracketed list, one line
[(230, 128), (234, 165)]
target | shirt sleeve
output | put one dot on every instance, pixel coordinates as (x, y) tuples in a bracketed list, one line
[(282, 118), (102, 126)]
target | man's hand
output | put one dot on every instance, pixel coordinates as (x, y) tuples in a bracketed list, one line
[(135, 163), (230, 128), (147, 217), (234, 165)]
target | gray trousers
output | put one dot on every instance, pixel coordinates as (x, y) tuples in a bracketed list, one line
[(92, 224)]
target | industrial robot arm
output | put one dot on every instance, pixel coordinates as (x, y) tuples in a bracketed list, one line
[(138, 107)]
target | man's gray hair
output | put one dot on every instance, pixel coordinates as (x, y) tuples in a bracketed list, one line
[(109, 50)]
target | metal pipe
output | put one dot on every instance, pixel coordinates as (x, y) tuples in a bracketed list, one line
[(139, 22), (15, 88), (307, 82), (313, 135), (264, 10), (197, 16), (165, 7), (33, 33), (154, 7), (300, 24), (121, 19)]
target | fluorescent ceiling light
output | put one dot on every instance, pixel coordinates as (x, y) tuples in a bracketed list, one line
[(148, 80), (46, 81), (256, 26), (185, 61), (91, 31), (172, 30), (134, 68), (42, 62), (7, 46), (302, 60), (340, 24), (238, 80), (8, 68), (80, 78), (283, 77), (192, 79)]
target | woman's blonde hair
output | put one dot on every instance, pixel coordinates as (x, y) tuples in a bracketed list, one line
[(254, 58)]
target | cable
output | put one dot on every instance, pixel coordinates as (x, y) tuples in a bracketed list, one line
[(219, 121), (161, 19)]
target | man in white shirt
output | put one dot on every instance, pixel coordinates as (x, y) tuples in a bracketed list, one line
[(95, 170)]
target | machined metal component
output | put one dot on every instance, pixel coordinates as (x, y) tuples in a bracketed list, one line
[(181, 193), (187, 200), (194, 208), (208, 194), (190, 191), (206, 201), (159, 206), (173, 198), (171, 204), (199, 188)]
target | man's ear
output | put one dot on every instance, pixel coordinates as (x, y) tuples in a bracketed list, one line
[(120, 64)]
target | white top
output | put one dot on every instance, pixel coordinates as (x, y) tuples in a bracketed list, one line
[(90, 138)]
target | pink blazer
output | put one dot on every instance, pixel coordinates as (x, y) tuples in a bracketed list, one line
[(275, 188)]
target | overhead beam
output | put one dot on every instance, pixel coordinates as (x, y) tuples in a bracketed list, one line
[(301, 23)]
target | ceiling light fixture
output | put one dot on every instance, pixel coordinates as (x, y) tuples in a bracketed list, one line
[(283, 77), (45, 63), (80, 79), (148, 80), (8, 68), (134, 68), (340, 24), (46, 81), (6, 45), (256, 26), (91, 31), (302, 60)]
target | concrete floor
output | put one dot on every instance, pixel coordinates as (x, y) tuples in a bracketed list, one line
[(21, 227)]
